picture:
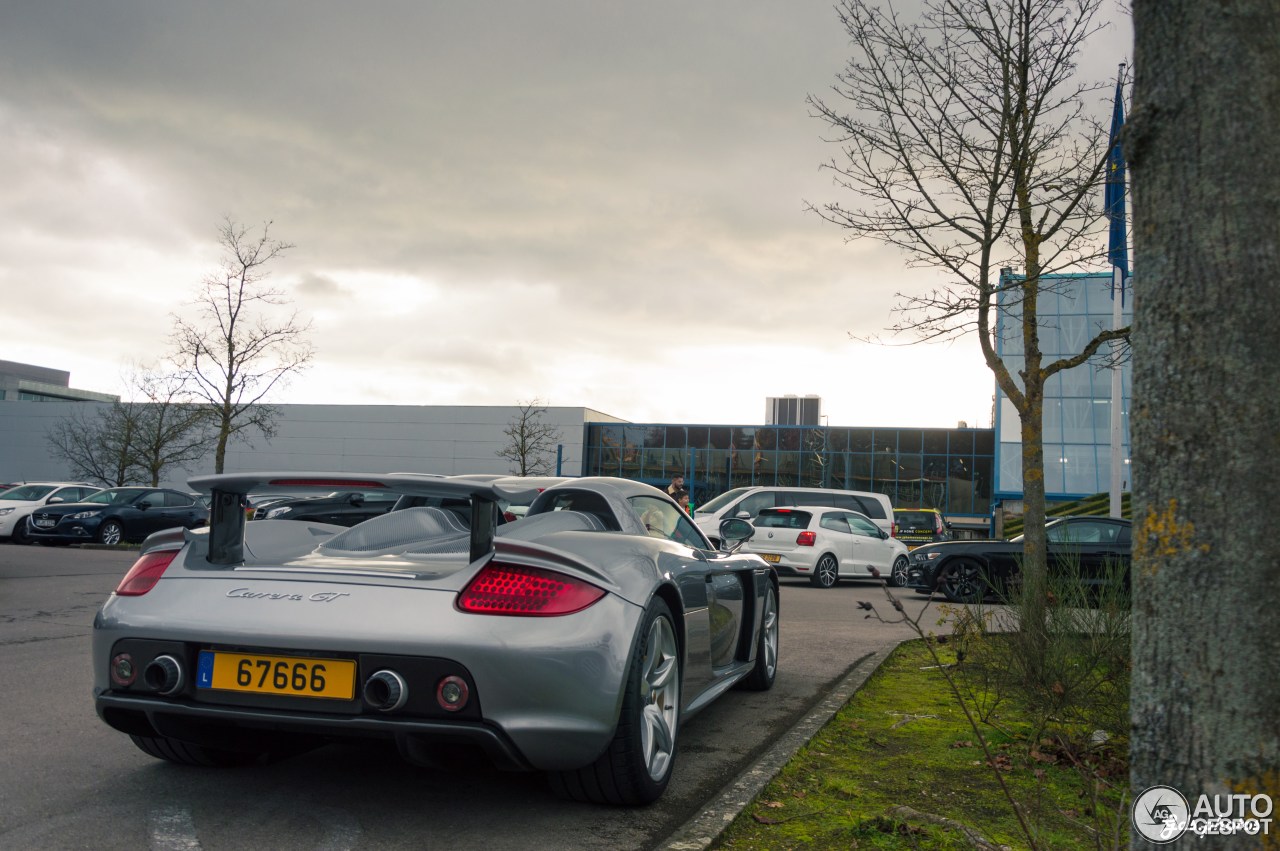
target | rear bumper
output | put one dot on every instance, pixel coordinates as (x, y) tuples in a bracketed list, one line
[(230, 727), (547, 690)]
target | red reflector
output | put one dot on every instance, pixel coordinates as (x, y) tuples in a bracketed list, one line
[(324, 483), (145, 573), (806, 538), (512, 589)]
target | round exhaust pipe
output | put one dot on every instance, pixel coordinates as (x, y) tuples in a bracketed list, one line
[(164, 674), (386, 691)]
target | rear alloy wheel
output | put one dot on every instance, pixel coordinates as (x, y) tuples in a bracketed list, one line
[(635, 768), (184, 753), (110, 533), (761, 676), (826, 573), (962, 581), (20, 535), (898, 575)]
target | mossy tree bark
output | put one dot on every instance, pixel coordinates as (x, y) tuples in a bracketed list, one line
[(1206, 189)]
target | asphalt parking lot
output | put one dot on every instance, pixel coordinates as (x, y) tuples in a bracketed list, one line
[(69, 781)]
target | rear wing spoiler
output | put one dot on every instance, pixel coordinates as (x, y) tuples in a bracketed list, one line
[(227, 515)]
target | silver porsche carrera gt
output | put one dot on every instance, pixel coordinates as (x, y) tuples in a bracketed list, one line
[(575, 640)]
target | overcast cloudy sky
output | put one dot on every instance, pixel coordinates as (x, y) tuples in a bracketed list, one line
[(589, 203)]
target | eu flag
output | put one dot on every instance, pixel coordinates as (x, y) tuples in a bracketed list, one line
[(1117, 250)]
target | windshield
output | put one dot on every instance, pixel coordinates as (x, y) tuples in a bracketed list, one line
[(27, 492), (112, 496), (915, 521), (714, 505)]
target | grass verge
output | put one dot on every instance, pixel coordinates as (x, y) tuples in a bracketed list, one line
[(903, 742)]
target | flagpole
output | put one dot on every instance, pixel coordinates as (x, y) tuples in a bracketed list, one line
[(1118, 254), (1117, 432)]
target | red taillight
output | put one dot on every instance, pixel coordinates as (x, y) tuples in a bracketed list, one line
[(145, 573), (513, 589), (806, 539), (893, 533)]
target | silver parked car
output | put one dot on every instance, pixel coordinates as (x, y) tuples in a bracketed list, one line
[(575, 640)]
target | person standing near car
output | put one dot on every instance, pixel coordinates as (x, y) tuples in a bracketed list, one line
[(677, 491)]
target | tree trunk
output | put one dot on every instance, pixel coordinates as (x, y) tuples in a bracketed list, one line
[(1034, 573), (220, 451), (1206, 191)]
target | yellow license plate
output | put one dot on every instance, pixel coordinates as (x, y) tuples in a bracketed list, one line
[(772, 558), (288, 675)]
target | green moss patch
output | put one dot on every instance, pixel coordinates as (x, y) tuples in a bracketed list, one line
[(903, 742)]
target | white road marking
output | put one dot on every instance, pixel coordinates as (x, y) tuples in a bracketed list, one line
[(173, 830)]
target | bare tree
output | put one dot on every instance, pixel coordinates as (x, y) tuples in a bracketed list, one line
[(234, 355), (532, 441), (138, 440), (1201, 141), (970, 142), (99, 444), (172, 430)]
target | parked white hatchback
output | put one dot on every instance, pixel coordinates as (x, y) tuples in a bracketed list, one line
[(17, 503), (827, 545)]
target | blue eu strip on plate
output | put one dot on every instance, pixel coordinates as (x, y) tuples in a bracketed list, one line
[(204, 670)]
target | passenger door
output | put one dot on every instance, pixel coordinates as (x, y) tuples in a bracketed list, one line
[(141, 521), (840, 538), (1085, 548), (873, 548)]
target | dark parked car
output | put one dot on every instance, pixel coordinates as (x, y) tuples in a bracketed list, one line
[(116, 514), (342, 508), (966, 571), (510, 509)]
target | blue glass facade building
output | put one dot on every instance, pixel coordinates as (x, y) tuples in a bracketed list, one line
[(1077, 407), (948, 469)]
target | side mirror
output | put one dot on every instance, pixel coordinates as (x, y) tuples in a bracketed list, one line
[(734, 532), (54, 500), (143, 506), (745, 515)]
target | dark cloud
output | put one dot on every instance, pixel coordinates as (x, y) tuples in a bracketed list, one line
[(489, 201)]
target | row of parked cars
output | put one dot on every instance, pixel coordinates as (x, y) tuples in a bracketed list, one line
[(61, 513), (829, 535), (824, 535)]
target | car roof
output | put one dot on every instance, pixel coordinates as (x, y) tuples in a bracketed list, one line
[(59, 484), (814, 509), (1086, 518)]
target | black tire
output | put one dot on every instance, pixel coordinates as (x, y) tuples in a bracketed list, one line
[(766, 669), (898, 573), (110, 533), (963, 581), (183, 753), (20, 535), (636, 767), (826, 573)]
